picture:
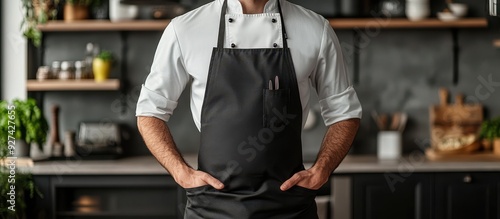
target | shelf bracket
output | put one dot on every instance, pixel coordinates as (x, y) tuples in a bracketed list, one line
[(456, 55), (123, 72), (34, 62), (355, 57)]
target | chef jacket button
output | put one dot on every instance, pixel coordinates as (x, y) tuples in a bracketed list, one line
[(231, 20), (275, 45), (274, 20), (233, 45)]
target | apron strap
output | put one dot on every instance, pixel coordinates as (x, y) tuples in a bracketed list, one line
[(222, 26), (283, 28)]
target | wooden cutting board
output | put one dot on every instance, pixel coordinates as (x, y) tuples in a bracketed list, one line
[(453, 120), (433, 155)]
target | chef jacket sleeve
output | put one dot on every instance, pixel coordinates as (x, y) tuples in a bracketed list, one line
[(166, 80), (338, 100)]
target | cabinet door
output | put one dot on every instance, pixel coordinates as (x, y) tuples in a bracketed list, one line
[(391, 195), (467, 195)]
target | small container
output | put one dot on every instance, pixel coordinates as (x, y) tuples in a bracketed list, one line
[(66, 72), (389, 145), (69, 144), (350, 8), (392, 8), (54, 71), (417, 10), (80, 70), (57, 150), (43, 73)]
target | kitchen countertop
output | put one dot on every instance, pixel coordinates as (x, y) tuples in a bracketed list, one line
[(147, 165)]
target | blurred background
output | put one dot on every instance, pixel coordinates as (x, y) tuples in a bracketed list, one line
[(426, 73)]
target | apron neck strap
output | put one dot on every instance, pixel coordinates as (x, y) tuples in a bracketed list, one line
[(222, 26)]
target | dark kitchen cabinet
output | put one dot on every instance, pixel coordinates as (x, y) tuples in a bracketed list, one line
[(117, 196), (426, 195), (391, 195), (467, 195)]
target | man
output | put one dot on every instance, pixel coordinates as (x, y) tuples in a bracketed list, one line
[(252, 64)]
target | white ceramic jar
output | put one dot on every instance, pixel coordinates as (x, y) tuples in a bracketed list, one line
[(417, 10), (121, 12), (389, 145)]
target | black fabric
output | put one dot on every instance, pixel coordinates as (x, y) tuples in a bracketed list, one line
[(250, 137)]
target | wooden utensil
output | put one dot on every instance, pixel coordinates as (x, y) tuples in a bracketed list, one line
[(395, 122), (383, 121), (55, 143), (402, 122), (443, 97), (376, 118)]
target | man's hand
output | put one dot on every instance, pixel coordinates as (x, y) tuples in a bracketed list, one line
[(309, 179), (159, 141), (336, 144), (190, 178)]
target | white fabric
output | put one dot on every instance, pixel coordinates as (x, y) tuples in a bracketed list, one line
[(184, 52)]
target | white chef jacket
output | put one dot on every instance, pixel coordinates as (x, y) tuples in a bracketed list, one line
[(184, 51)]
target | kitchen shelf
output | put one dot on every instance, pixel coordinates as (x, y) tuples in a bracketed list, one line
[(81, 85), (337, 23), (402, 23), (100, 25)]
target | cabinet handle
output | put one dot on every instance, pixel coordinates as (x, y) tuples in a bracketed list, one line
[(467, 179)]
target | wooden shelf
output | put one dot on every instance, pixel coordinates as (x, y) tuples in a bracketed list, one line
[(402, 23), (496, 43), (65, 85), (99, 25), (337, 23)]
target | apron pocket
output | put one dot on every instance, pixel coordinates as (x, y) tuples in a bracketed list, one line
[(304, 190), (196, 190), (275, 108)]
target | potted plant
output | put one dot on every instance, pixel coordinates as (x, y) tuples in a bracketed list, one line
[(30, 125), (25, 190), (17, 186), (76, 10), (37, 12), (490, 133), (101, 65)]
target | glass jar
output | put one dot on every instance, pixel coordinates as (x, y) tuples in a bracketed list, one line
[(66, 72), (80, 70), (56, 68), (392, 8)]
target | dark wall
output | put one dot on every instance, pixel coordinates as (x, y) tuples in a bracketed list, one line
[(399, 70)]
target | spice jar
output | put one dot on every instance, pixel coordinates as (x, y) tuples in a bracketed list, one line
[(56, 68), (43, 73), (80, 70), (66, 72)]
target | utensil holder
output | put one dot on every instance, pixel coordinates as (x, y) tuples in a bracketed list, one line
[(389, 145)]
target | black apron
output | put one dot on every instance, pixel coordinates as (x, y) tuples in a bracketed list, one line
[(251, 136)]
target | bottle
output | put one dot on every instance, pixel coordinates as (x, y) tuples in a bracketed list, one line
[(89, 58)]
